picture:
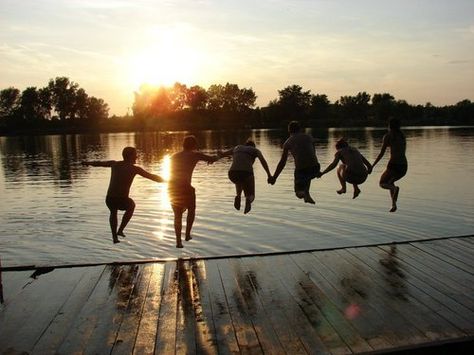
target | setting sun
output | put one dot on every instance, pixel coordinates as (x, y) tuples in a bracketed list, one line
[(169, 58)]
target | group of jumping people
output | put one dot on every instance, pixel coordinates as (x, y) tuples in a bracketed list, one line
[(353, 169)]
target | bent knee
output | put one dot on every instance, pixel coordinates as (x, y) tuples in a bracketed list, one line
[(299, 194)]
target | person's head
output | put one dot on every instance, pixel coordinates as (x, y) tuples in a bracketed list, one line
[(250, 143), (190, 143), (129, 154), (394, 124), (341, 143), (294, 127)]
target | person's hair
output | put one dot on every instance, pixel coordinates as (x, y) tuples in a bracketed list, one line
[(189, 143), (394, 123), (128, 153), (341, 143), (250, 143), (294, 127)]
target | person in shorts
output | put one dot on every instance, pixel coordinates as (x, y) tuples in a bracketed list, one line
[(397, 166), (241, 172), (354, 168), (301, 146), (181, 192), (122, 174)]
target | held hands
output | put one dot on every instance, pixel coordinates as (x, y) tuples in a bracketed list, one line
[(271, 180), (84, 163)]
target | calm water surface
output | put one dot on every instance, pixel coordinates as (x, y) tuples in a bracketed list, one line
[(53, 211)]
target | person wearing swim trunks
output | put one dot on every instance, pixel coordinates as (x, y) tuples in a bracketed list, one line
[(241, 172), (301, 146), (122, 174), (182, 194), (397, 166), (354, 168)]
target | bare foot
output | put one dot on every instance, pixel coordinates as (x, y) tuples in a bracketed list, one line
[(248, 206), (308, 199), (237, 202), (394, 208), (116, 240), (356, 193), (341, 191), (188, 238), (179, 245), (121, 234)]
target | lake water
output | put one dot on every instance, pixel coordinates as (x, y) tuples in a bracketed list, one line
[(53, 212)]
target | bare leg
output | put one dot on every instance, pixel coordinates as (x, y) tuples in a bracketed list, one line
[(356, 190), (249, 191), (190, 221), (113, 225), (389, 185), (238, 194), (125, 219), (178, 224), (340, 175)]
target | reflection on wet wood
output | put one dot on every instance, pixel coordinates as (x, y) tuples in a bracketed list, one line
[(342, 301)]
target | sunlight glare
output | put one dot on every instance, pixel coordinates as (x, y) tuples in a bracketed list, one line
[(168, 58)]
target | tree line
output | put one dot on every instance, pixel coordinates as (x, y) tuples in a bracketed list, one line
[(60, 104), (63, 104)]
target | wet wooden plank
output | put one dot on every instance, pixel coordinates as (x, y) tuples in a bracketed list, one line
[(206, 338), (128, 327), (325, 304), (420, 308), (59, 327), (96, 307), (146, 336), (225, 333), (25, 318), (459, 251), (13, 282), (446, 306), (322, 337), (447, 255), (448, 279), (113, 312), (186, 318), (248, 286), (241, 320), (277, 304), (166, 335), (350, 302)]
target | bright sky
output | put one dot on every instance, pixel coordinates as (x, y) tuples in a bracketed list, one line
[(417, 50)]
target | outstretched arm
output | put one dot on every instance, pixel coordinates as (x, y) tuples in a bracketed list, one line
[(367, 164), (108, 163), (382, 150), (264, 164), (150, 176), (332, 165), (209, 158), (225, 153), (280, 166)]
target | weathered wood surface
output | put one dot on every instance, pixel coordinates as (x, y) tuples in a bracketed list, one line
[(352, 300)]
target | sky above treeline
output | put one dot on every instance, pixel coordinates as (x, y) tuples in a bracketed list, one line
[(419, 51)]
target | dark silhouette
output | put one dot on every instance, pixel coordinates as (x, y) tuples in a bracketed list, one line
[(301, 146), (397, 165), (121, 178), (181, 192), (241, 171), (354, 168)]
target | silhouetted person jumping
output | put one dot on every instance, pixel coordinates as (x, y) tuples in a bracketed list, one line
[(241, 172), (182, 194), (397, 165), (354, 168), (301, 146), (121, 178)]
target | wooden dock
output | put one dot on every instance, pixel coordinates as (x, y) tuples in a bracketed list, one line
[(350, 300)]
